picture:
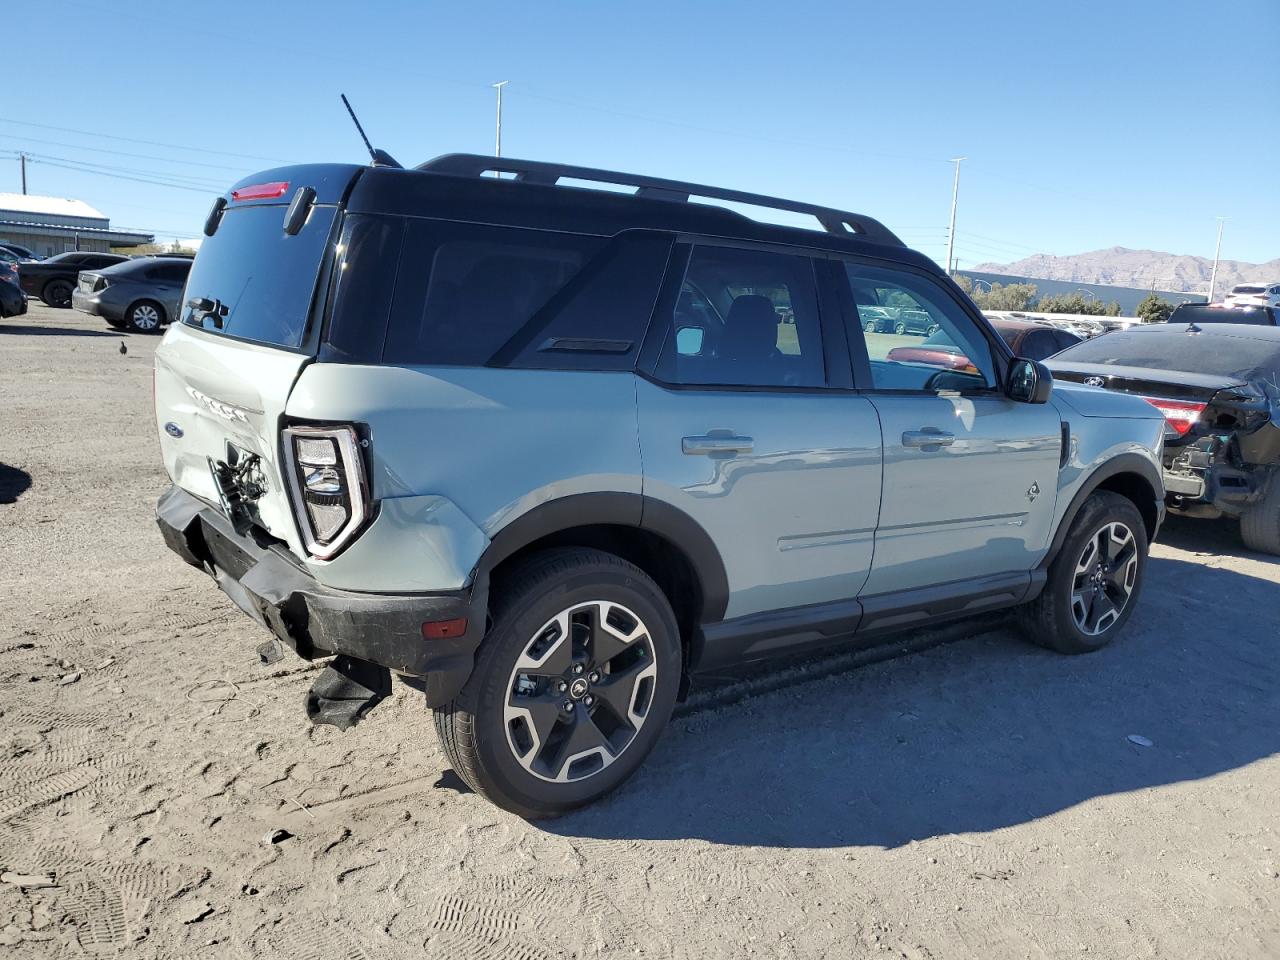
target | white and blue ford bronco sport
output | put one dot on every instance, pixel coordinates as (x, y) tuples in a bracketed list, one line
[(555, 450)]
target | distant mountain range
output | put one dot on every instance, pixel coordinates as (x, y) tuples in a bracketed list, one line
[(1123, 267)]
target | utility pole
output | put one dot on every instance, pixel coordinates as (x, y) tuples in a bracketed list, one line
[(951, 233), (1213, 277), (22, 160), (497, 140)]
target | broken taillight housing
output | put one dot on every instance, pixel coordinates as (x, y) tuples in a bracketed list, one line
[(330, 495), (1180, 414)]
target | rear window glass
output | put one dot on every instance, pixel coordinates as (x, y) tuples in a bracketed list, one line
[(1191, 313), (464, 290), (262, 278), (1214, 354)]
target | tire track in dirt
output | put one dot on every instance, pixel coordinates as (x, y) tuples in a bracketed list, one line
[(500, 916)]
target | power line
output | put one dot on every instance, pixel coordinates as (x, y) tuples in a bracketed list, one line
[(120, 176), (149, 143), (119, 153), (207, 182)]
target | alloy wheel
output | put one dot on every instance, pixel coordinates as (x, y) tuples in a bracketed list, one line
[(580, 691), (145, 317), (1104, 578)]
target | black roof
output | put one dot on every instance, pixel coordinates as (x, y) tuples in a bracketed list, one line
[(456, 187), (657, 188)]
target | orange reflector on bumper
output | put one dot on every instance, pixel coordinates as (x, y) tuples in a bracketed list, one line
[(444, 629)]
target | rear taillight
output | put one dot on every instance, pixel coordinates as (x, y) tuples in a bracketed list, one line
[(326, 475), (1181, 414)]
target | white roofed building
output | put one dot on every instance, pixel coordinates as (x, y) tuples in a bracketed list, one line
[(49, 225)]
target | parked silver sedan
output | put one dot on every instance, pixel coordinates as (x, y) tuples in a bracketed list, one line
[(141, 295)]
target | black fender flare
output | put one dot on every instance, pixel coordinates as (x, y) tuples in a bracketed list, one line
[(670, 523), (1124, 463)]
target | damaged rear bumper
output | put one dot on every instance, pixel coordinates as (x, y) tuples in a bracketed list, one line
[(264, 581), (1217, 490)]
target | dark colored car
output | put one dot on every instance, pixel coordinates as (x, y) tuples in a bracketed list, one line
[(1218, 386), (1033, 341), (1217, 313), (141, 295), (17, 250), (13, 302), (53, 280)]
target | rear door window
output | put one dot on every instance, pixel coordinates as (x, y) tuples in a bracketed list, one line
[(263, 278), (172, 273), (745, 318)]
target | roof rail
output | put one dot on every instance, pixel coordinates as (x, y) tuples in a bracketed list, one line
[(655, 188)]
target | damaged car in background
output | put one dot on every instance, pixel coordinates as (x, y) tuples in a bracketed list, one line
[(1218, 386)]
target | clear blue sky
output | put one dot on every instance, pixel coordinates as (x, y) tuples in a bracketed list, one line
[(1086, 124)]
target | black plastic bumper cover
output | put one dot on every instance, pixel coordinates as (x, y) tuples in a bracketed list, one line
[(319, 621)]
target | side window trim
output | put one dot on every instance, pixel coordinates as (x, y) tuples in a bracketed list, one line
[(860, 359), (835, 336), (664, 307), (660, 326)]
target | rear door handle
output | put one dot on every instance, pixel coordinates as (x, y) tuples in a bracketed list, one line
[(928, 437), (709, 445)]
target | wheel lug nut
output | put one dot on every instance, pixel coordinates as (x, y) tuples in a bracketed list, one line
[(568, 706), (595, 676), (577, 668), (561, 686), (589, 700)]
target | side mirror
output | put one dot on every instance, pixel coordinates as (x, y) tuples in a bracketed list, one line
[(1029, 381)]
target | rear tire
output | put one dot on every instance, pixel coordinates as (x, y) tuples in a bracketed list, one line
[(57, 293), (572, 685), (145, 316), (1094, 581), (900, 328), (1260, 524)]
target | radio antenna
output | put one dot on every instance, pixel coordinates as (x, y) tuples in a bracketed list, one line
[(380, 157)]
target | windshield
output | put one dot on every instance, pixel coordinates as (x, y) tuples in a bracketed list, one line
[(1242, 357), (262, 278)]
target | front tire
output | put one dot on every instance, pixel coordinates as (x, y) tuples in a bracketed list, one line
[(145, 316), (1094, 581), (57, 293), (571, 688)]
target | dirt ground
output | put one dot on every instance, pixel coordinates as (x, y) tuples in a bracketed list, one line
[(976, 798)]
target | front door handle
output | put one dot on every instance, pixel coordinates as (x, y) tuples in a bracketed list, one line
[(928, 437), (711, 445)]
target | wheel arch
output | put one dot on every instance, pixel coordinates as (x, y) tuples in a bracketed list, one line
[(662, 540), (1130, 475)]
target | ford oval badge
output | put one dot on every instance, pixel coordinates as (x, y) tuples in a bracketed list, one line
[(172, 429)]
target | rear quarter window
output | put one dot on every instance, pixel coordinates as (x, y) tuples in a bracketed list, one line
[(464, 290)]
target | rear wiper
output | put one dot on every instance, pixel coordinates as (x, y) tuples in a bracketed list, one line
[(204, 307)]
